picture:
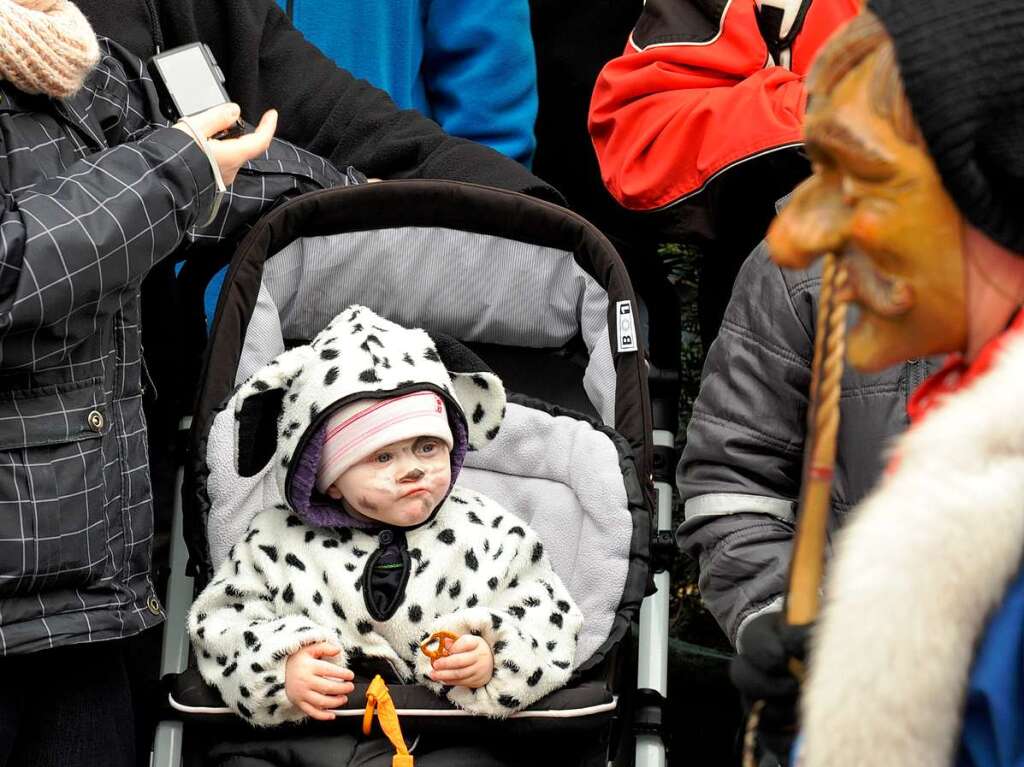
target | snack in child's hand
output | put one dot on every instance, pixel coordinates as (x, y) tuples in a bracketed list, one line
[(435, 646)]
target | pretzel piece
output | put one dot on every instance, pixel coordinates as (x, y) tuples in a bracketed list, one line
[(434, 645)]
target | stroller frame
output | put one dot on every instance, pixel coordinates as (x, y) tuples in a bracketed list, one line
[(652, 670)]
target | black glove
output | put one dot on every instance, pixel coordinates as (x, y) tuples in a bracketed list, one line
[(761, 672)]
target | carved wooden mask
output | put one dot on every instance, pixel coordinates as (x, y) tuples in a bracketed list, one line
[(876, 200)]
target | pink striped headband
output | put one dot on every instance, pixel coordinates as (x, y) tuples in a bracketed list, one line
[(363, 427)]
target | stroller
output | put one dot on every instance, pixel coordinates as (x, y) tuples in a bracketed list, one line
[(541, 296)]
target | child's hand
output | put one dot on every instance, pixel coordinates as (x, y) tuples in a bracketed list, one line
[(315, 685), (469, 663)]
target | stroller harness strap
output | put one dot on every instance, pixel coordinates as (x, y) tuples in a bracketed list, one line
[(378, 698)]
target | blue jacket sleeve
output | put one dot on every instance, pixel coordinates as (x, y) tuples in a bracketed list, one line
[(480, 72)]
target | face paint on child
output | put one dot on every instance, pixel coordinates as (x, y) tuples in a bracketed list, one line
[(400, 484)]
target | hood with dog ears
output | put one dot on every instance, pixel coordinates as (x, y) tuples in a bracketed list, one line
[(281, 411)]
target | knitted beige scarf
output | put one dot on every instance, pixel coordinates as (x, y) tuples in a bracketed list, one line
[(46, 46)]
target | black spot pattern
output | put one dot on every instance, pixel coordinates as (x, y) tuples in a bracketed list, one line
[(480, 381), (337, 610), (446, 536), (556, 618), (230, 670), (317, 598), (295, 562), (508, 701), (331, 376), (563, 605), (492, 433), (472, 601), (329, 354), (440, 586), (533, 678), (270, 551), (250, 639), (511, 666), (310, 535), (455, 590), (492, 583), (538, 552), (289, 594), (344, 534), (495, 621), (471, 561), (517, 530), (517, 611), (478, 413), (330, 543), (364, 627), (415, 613)]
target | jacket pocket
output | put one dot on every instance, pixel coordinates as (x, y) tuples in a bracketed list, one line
[(53, 531)]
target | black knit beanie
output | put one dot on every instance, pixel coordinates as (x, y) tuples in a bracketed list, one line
[(962, 65)]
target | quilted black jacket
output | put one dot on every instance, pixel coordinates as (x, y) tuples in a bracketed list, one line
[(740, 472), (95, 192)]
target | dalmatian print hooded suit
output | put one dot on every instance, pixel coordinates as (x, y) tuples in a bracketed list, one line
[(305, 572)]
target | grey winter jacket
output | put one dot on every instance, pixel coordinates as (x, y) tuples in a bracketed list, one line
[(739, 476), (95, 192)]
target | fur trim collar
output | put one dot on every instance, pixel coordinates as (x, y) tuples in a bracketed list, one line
[(917, 572)]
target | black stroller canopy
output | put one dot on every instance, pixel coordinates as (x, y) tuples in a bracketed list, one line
[(483, 265)]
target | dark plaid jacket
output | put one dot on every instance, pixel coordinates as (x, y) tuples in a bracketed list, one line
[(96, 190)]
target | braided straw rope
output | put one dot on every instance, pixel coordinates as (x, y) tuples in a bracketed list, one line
[(807, 567), (808, 564)]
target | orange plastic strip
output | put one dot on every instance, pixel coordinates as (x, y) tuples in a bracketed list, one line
[(378, 697)]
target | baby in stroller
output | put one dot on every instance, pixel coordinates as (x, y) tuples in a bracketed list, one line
[(378, 549)]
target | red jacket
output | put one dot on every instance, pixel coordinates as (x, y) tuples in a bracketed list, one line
[(697, 91)]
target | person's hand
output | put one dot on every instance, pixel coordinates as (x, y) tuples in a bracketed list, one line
[(470, 663), (762, 672), (230, 154), (315, 685)]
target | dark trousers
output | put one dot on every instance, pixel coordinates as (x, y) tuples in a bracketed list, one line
[(69, 707)]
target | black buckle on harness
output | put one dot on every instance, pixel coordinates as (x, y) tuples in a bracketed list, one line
[(649, 713), (663, 551)]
